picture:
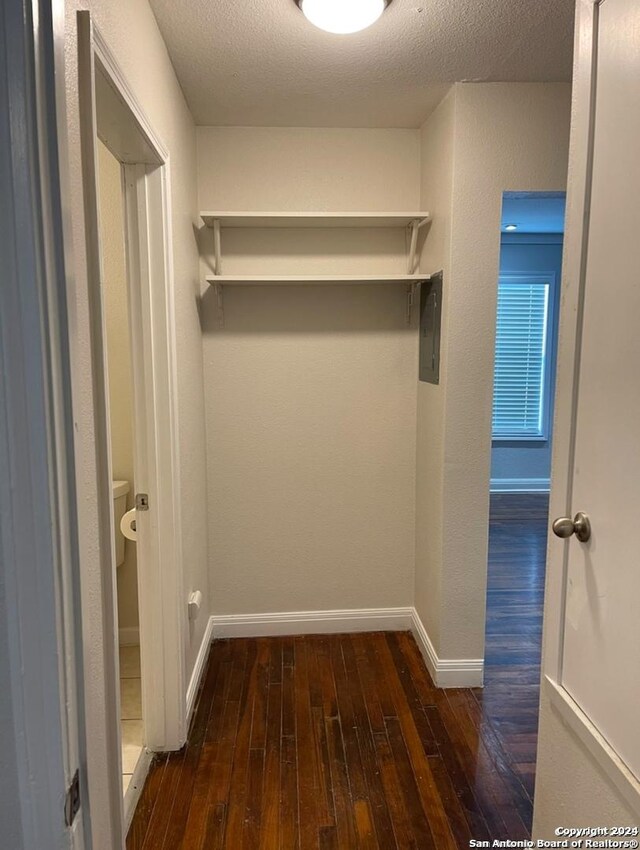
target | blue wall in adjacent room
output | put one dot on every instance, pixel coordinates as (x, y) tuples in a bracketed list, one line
[(528, 462)]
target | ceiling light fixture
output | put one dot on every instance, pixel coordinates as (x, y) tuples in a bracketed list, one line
[(511, 227), (342, 16)]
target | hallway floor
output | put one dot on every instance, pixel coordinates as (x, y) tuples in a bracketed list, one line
[(515, 597), (342, 741)]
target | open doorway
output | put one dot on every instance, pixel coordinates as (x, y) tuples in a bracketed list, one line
[(532, 231)]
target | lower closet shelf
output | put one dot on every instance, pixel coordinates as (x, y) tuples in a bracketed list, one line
[(294, 280)]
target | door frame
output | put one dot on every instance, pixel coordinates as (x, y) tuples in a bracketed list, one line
[(126, 130), (147, 204), (163, 611), (567, 388)]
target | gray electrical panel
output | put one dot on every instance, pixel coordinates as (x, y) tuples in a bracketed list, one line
[(430, 318)]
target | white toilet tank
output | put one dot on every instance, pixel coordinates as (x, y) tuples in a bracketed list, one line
[(120, 491)]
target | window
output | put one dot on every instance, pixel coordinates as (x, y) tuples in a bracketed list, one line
[(521, 382)]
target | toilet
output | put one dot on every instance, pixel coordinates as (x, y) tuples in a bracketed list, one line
[(120, 491)]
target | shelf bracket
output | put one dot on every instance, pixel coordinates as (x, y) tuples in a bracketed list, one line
[(411, 297), (217, 288), (413, 249), (217, 249), (413, 252)]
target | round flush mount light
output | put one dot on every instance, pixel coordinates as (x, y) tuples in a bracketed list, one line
[(511, 227), (342, 16)]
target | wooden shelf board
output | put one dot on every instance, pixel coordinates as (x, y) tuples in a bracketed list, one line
[(313, 219), (284, 280)]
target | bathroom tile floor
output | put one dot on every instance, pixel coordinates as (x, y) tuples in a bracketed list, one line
[(130, 711)]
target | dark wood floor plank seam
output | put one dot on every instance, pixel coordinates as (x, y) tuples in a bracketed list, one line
[(159, 822), (379, 811), (149, 799), (499, 798), (431, 802), (342, 799), (240, 770), (187, 790), (413, 700), (502, 762), (463, 788), (409, 786), (307, 768)]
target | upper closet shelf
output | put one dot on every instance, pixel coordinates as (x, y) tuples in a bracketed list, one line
[(283, 280), (315, 219)]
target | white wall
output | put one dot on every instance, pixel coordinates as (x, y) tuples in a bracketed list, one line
[(436, 171), (310, 392), (116, 313), (503, 136), (131, 32)]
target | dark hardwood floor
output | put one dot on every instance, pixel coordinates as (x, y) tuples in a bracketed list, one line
[(515, 593), (339, 742)]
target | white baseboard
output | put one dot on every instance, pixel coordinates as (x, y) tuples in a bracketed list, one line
[(129, 636), (311, 622), (520, 485), (198, 669), (446, 672)]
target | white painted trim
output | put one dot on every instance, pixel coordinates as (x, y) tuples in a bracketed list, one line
[(110, 64), (311, 622), (446, 672), (198, 669), (590, 736), (100, 638), (162, 603), (129, 636), (520, 485), (136, 784), (160, 586)]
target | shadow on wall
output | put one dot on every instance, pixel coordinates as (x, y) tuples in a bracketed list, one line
[(365, 308), (350, 247)]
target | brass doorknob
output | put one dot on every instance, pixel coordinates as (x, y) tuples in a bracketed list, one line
[(580, 525)]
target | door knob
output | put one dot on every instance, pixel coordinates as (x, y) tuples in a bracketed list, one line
[(580, 525)]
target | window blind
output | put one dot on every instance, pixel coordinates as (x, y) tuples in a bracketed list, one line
[(521, 341)]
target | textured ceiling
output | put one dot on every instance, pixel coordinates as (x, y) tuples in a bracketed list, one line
[(261, 63)]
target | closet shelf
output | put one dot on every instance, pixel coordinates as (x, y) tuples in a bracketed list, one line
[(411, 222), (315, 219), (302, 279)]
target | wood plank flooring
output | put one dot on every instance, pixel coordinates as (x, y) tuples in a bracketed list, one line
[(342, 741), (515, 594)]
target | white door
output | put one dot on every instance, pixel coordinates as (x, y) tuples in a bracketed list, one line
[(600, 649), (44, 800)]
